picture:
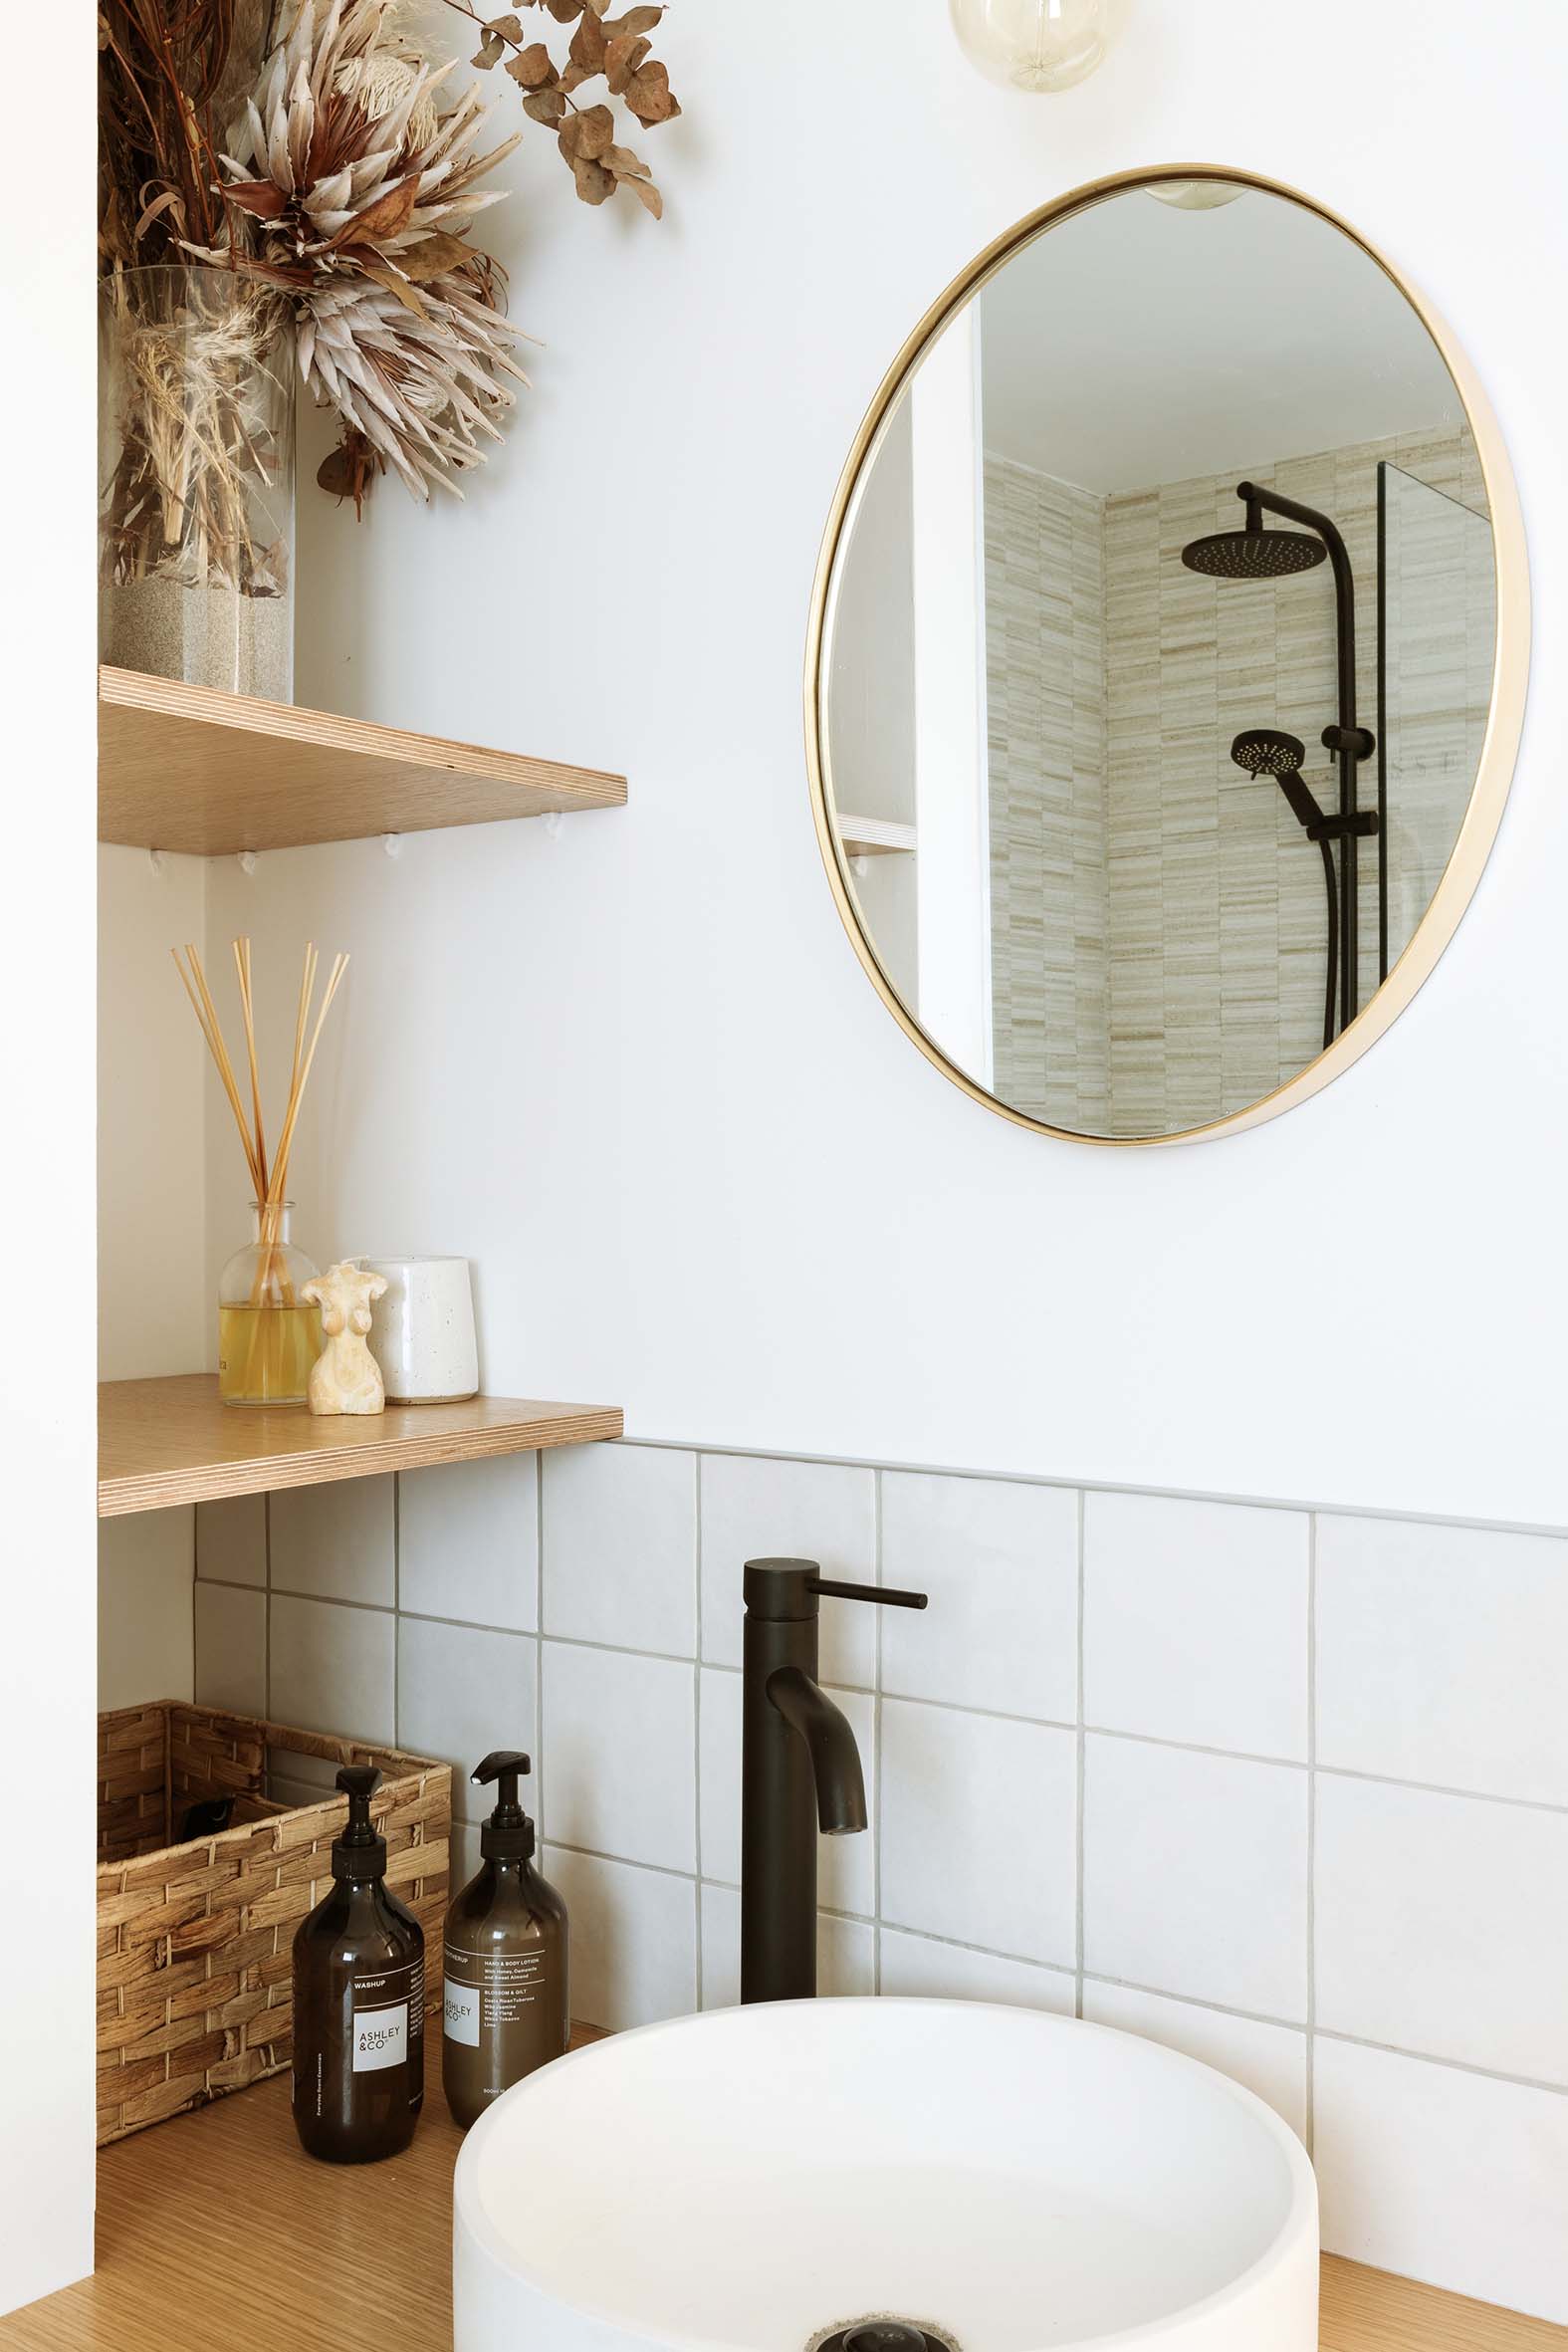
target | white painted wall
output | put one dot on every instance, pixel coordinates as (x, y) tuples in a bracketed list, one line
[(155, 1311), (648, 1085), (46, 1170)]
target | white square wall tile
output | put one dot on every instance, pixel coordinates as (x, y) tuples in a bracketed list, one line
[(231, 1649), (1195, 1622), (1195, 1871), (620, 1737), (1267, 2059), (846, 1866), (999, 1562), (1440, 1655), (335, 1542), (919, 1967), (231, 1540), (462, 1691), (845, 1951), (620, 1547), (845, 1957), (1442, 2175), (754, 1508), (333, 1668), (632, 1949), (468, 1542), (1443, 1924), (979, 1829)]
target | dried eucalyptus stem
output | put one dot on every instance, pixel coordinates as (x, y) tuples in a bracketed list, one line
[(616, 48)]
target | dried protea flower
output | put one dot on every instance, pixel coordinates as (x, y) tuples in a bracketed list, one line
[(361, 190)]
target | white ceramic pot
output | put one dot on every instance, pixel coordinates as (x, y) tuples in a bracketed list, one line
[(422, 1332)]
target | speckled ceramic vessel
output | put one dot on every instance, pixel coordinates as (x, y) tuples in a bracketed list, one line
[(422, 1332)]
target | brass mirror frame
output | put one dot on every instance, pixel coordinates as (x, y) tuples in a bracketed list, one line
[(1504, 724)]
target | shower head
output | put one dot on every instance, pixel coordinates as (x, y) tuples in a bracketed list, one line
[(1269, 750), (1254, 554)]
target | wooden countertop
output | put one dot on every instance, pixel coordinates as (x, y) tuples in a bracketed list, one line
[(213, 2230)]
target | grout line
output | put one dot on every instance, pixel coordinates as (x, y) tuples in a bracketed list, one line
[(1484, 1796), (1082, 1745), (1047, 1968), (398, 1613), (876, 1739), (539, 1776), (1310, 2111), (1218, 2009), (1297, 1505), (1360, 2042), (1285, 1763), (562, 1845), (1394, 2050), (540, 1797), (697, 1702)]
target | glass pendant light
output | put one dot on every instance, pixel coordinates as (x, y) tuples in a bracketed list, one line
[(1033, 44), (1197, 195)]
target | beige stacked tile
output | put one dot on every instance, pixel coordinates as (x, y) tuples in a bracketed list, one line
[(1046, 726), (1159, 921)]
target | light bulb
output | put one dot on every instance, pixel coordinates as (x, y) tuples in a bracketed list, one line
[(1033, 44), (1197, 195)]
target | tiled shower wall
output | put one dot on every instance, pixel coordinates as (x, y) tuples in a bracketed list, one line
[(1285, 1788), (1128, 850), (1045, 687)]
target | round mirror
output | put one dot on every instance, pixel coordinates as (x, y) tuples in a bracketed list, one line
[(1167, 660)]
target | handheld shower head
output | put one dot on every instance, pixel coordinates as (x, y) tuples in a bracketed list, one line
[(1254, 554), (1269, 750)]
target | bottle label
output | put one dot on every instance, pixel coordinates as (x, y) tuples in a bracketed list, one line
[(488, 1990), (387, 2008), (462, 2011)]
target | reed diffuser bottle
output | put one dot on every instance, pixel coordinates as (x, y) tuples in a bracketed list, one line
[(268, 1335)]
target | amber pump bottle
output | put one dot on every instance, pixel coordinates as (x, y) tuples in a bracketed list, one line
[(358, 2001), (506, 2007)]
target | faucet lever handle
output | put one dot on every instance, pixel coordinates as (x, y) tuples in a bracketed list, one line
[(887, 1595)]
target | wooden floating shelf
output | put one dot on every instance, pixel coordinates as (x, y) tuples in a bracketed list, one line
[(166, 1442), (187, 769), (875, 836)]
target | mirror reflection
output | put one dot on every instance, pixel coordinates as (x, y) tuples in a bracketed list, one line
[(1158, 658)]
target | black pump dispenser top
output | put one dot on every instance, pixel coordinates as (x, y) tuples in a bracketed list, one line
[(360, 1852), (508, 1835)]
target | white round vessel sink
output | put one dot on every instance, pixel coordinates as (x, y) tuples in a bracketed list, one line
[(760, 2180)]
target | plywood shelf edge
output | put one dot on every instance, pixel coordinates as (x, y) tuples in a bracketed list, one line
[(206, 774), (163, 1443), (876, 837)]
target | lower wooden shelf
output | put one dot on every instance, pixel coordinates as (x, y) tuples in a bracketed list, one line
[(214, 2229), (167, 1442)]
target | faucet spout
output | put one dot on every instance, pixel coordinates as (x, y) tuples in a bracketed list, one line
[(800, 1771), (830, 1743)]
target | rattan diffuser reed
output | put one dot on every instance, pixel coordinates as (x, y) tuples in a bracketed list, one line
[(268, 1174)]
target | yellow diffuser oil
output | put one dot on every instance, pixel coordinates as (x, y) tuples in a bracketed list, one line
[(269, 1337), (265, 1353)]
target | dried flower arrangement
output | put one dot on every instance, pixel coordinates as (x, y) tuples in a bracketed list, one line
[(315, 158)]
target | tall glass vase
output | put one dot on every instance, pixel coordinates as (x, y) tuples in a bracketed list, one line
[(197, 385), (268, 1335)]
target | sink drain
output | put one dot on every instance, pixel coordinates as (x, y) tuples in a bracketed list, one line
[(880, 2331)]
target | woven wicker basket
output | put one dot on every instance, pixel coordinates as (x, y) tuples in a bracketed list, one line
[(193, 1941)]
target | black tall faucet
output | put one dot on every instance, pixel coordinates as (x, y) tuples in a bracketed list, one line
[(800, 1772)]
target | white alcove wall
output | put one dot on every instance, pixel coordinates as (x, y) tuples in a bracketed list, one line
[(636, 1070)]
